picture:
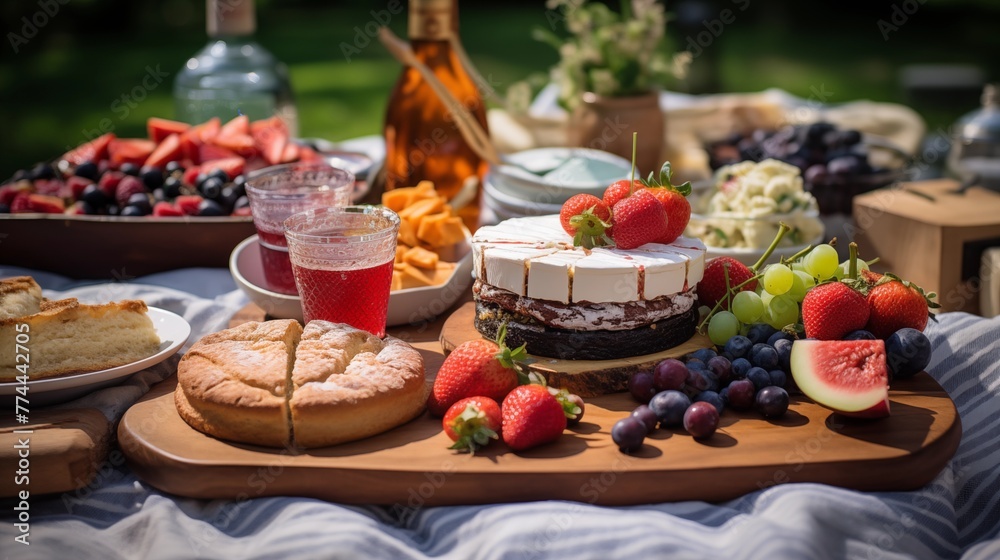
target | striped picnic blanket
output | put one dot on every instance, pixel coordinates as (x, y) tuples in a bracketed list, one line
[(118, 516)]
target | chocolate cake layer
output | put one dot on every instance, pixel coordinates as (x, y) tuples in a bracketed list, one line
[(566, 344), (588, 316)]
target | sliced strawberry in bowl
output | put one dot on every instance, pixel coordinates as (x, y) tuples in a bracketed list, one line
[(238, 125), (167, 151), (131, 150), (233, 166), (164, 209), (191, 175), (95, 150), (109, 182), (76, 186), (188, 204), (271, 137), (160, 129), (45, 204), (209, 152)]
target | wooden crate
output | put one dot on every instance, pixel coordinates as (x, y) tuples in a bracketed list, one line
[(926, 233)]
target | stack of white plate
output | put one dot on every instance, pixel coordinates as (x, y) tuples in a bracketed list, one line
[(537, 182)]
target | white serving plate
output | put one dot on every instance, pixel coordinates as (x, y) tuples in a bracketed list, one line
[(173, 331), (412, 306)]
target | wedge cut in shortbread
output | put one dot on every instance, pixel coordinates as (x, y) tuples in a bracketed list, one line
[(274, 384)]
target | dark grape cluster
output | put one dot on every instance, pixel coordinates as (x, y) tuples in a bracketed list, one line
[(834, 162), (748, 372)]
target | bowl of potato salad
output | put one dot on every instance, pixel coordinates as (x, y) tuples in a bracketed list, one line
[(738, 213)]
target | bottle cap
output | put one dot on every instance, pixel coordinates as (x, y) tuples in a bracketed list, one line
[(434, 20), (230, 18)]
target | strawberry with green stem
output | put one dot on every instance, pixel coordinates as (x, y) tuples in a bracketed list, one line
[(587, 219), (673, 198), (472, 423), (476, 368)]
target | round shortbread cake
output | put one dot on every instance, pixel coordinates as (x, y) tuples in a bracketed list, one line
[(275, 384)]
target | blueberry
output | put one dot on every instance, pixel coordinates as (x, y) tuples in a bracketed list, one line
[(780, 335), (4, 209), (784, 350), (172, 187), (87, 169), (199, 179), (229, 197), (740, 368), (669, 407), (93, 195), (778, 378), (112, 209), (211, 188), (129, 169), (173, 167), (764, 356), (759, 377), (738, 347), (240, 182), (241, 202), (140, 201), (151, 177), (697, 382), (772, 402), (711, 397), (42, 171), (210, 208), (219, 174), (87, 208), (705, 354), (20, 175), (724, 394), (133, 211), (696, 364), (760, 332), (158, 195), (907, 353), (859, 335)]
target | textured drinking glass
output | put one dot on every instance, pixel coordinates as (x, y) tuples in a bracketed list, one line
[(276, 193), (342, 260)]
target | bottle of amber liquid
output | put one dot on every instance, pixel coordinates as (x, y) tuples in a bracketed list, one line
[(421, 138)]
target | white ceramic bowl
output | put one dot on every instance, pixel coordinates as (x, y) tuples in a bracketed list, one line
[(412, 306), (552, 175)]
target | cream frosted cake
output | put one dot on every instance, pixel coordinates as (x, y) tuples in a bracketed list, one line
[(573, 303)]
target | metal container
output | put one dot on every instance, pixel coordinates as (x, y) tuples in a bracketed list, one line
[(975, 153)]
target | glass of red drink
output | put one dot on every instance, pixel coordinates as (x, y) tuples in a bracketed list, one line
[(342, 260), (276, 193)]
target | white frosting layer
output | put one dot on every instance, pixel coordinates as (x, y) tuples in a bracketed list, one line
[(534, 257)]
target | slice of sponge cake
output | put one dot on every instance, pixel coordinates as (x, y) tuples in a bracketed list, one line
[(66, 337)]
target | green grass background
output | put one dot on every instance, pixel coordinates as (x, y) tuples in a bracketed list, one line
[(63, 82)]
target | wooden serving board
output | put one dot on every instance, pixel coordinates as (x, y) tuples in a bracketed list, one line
[(66, 450), (587, 378), (411, 466)]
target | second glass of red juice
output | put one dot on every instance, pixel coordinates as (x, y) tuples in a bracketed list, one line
[(342, 260), (276, 193)]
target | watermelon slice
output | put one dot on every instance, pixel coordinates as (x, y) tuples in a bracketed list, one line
[(132, 150), (95, 150), (160, 129), (169, 150), (846, 376)]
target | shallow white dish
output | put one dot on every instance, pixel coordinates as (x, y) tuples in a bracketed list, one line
[(511, 206), (553, 175), (411, 306), (173, 331)]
